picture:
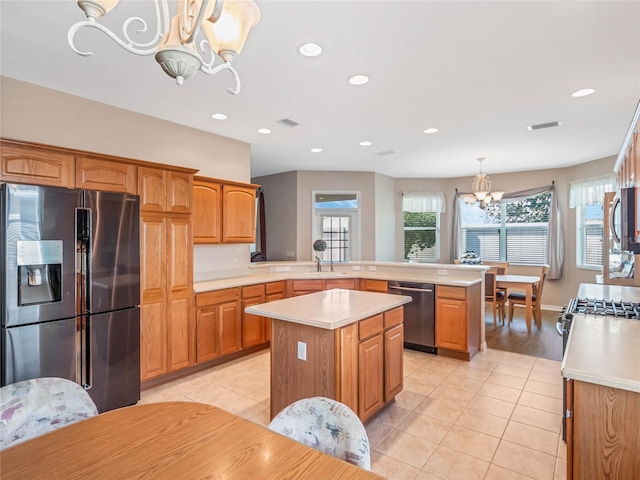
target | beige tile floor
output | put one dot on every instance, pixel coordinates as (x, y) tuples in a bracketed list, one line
[(496, 417)]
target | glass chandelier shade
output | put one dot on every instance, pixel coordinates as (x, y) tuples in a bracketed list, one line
[(482, 189), (225, 24)]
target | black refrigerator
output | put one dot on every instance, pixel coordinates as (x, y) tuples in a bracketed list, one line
[(70, 289)]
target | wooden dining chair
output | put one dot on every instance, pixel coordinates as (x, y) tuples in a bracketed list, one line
[(326, 425), (494, 295), (536, 299)]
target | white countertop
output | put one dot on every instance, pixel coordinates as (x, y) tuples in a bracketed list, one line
[(241, 281), (604, 351), (609, 292), (329, 309)]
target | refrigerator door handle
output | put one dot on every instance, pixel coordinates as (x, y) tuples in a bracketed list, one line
[(85, 349)]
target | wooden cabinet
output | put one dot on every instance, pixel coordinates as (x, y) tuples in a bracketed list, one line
[(393, 353), (218, 324), (369, 285), (225, 212), (344, 283), (253, 326), (273, 291), (39, 166), (99, 174), (164, 190), (371, 367), (302, 287), (207, 211), (458, 321), (166, 283), (603, 438)]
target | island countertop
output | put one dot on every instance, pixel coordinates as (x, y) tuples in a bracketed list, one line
[(329, 309)]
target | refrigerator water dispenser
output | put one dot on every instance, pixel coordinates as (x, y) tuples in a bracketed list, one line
[(39, 272)]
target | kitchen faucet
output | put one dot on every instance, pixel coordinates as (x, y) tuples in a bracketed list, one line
[(318, 266)]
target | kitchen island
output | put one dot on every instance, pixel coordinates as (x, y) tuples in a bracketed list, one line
[(601, 366), (341, 344)]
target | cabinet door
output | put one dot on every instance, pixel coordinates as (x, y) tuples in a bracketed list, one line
[(179, 192), (369, 285), (238, 214), (347, 359), (153, 340), (207, 212), (253, 326), (229, 328), (451, 324), (271, 297), (179, 292), (152, 189), (95, 174), (39, 167), (207, 333), (370, 379), (393, 361)]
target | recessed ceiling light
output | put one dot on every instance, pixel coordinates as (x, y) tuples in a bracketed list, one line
[(264, 130), (219, 116), (583, 93), (358, 79), (316, 150), (431, 130), (366, 144), (310, 49)]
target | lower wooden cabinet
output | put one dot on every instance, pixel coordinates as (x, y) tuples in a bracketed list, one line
[(370, 379), (303, 287), (273, 291), (218, 324), (458, 320), (393, 361), (369, 285), (253, 326)]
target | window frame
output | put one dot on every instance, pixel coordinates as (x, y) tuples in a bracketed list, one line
[(353, 213), (581, 232), (438, 249)]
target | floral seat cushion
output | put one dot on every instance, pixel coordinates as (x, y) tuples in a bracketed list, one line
[(326, 425), (34, 407)]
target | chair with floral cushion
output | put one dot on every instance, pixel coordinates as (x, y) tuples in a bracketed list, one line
[(41, 405), (326, 425)]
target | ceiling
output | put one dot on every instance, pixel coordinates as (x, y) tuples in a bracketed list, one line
[(480, 72)]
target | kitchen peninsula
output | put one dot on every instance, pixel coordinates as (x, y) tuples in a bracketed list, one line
[(342, 344)]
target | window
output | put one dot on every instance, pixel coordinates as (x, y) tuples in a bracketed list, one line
[(587, 197), (514, 232), (336, 222), (421, 212)]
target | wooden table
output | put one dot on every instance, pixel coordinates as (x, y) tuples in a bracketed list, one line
[(178, 440), (526, 283)]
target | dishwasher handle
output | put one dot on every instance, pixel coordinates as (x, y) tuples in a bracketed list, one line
[(409, 289)]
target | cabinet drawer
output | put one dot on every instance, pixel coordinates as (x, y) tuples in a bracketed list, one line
[(374, 285), (393, 317), (307, 285), (457, 293), (370, 326), (275, 287), (217, 296), (253, 291), (347, 283)]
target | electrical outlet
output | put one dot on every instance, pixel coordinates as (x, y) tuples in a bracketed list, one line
[(279, 269), (289, 253), (302, 351), (234, 262), (442, 272), (372, 268), (355, 267), (287, 269)]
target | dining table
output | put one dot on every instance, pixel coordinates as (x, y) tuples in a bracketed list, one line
[(526, 283), (173, 440)]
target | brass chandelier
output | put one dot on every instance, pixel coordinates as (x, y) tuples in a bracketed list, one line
[(225, 24)]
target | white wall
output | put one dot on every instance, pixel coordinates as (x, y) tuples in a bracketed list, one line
[(385, 218), (36, 114)]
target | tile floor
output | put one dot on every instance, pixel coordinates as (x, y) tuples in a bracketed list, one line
[(496, 417)]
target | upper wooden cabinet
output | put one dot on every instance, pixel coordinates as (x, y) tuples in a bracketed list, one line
[(24, 164), (223, 212), (98, 174), (164, 190), (207, 211)]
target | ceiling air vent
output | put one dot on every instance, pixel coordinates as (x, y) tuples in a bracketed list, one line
[(543, 125), (382, 153), (287, 122)]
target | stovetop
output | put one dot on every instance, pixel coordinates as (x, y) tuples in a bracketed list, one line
[(597, 306)]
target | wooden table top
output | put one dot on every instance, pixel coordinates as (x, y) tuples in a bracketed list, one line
[(177, 440)]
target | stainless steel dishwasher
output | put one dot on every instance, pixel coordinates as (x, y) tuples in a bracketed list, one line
[(419, 315)]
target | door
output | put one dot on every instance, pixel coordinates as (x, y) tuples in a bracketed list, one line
[(31, 214), (113, 368), (114, 251), (40, 350)]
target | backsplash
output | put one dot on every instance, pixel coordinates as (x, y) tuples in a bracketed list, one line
[(219, 261)]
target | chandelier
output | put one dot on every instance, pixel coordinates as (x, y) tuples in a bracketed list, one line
[(482, 189), (225, 23)]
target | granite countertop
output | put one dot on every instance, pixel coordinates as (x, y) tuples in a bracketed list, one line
[(604, 351), (219, 284), (329, 309)]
